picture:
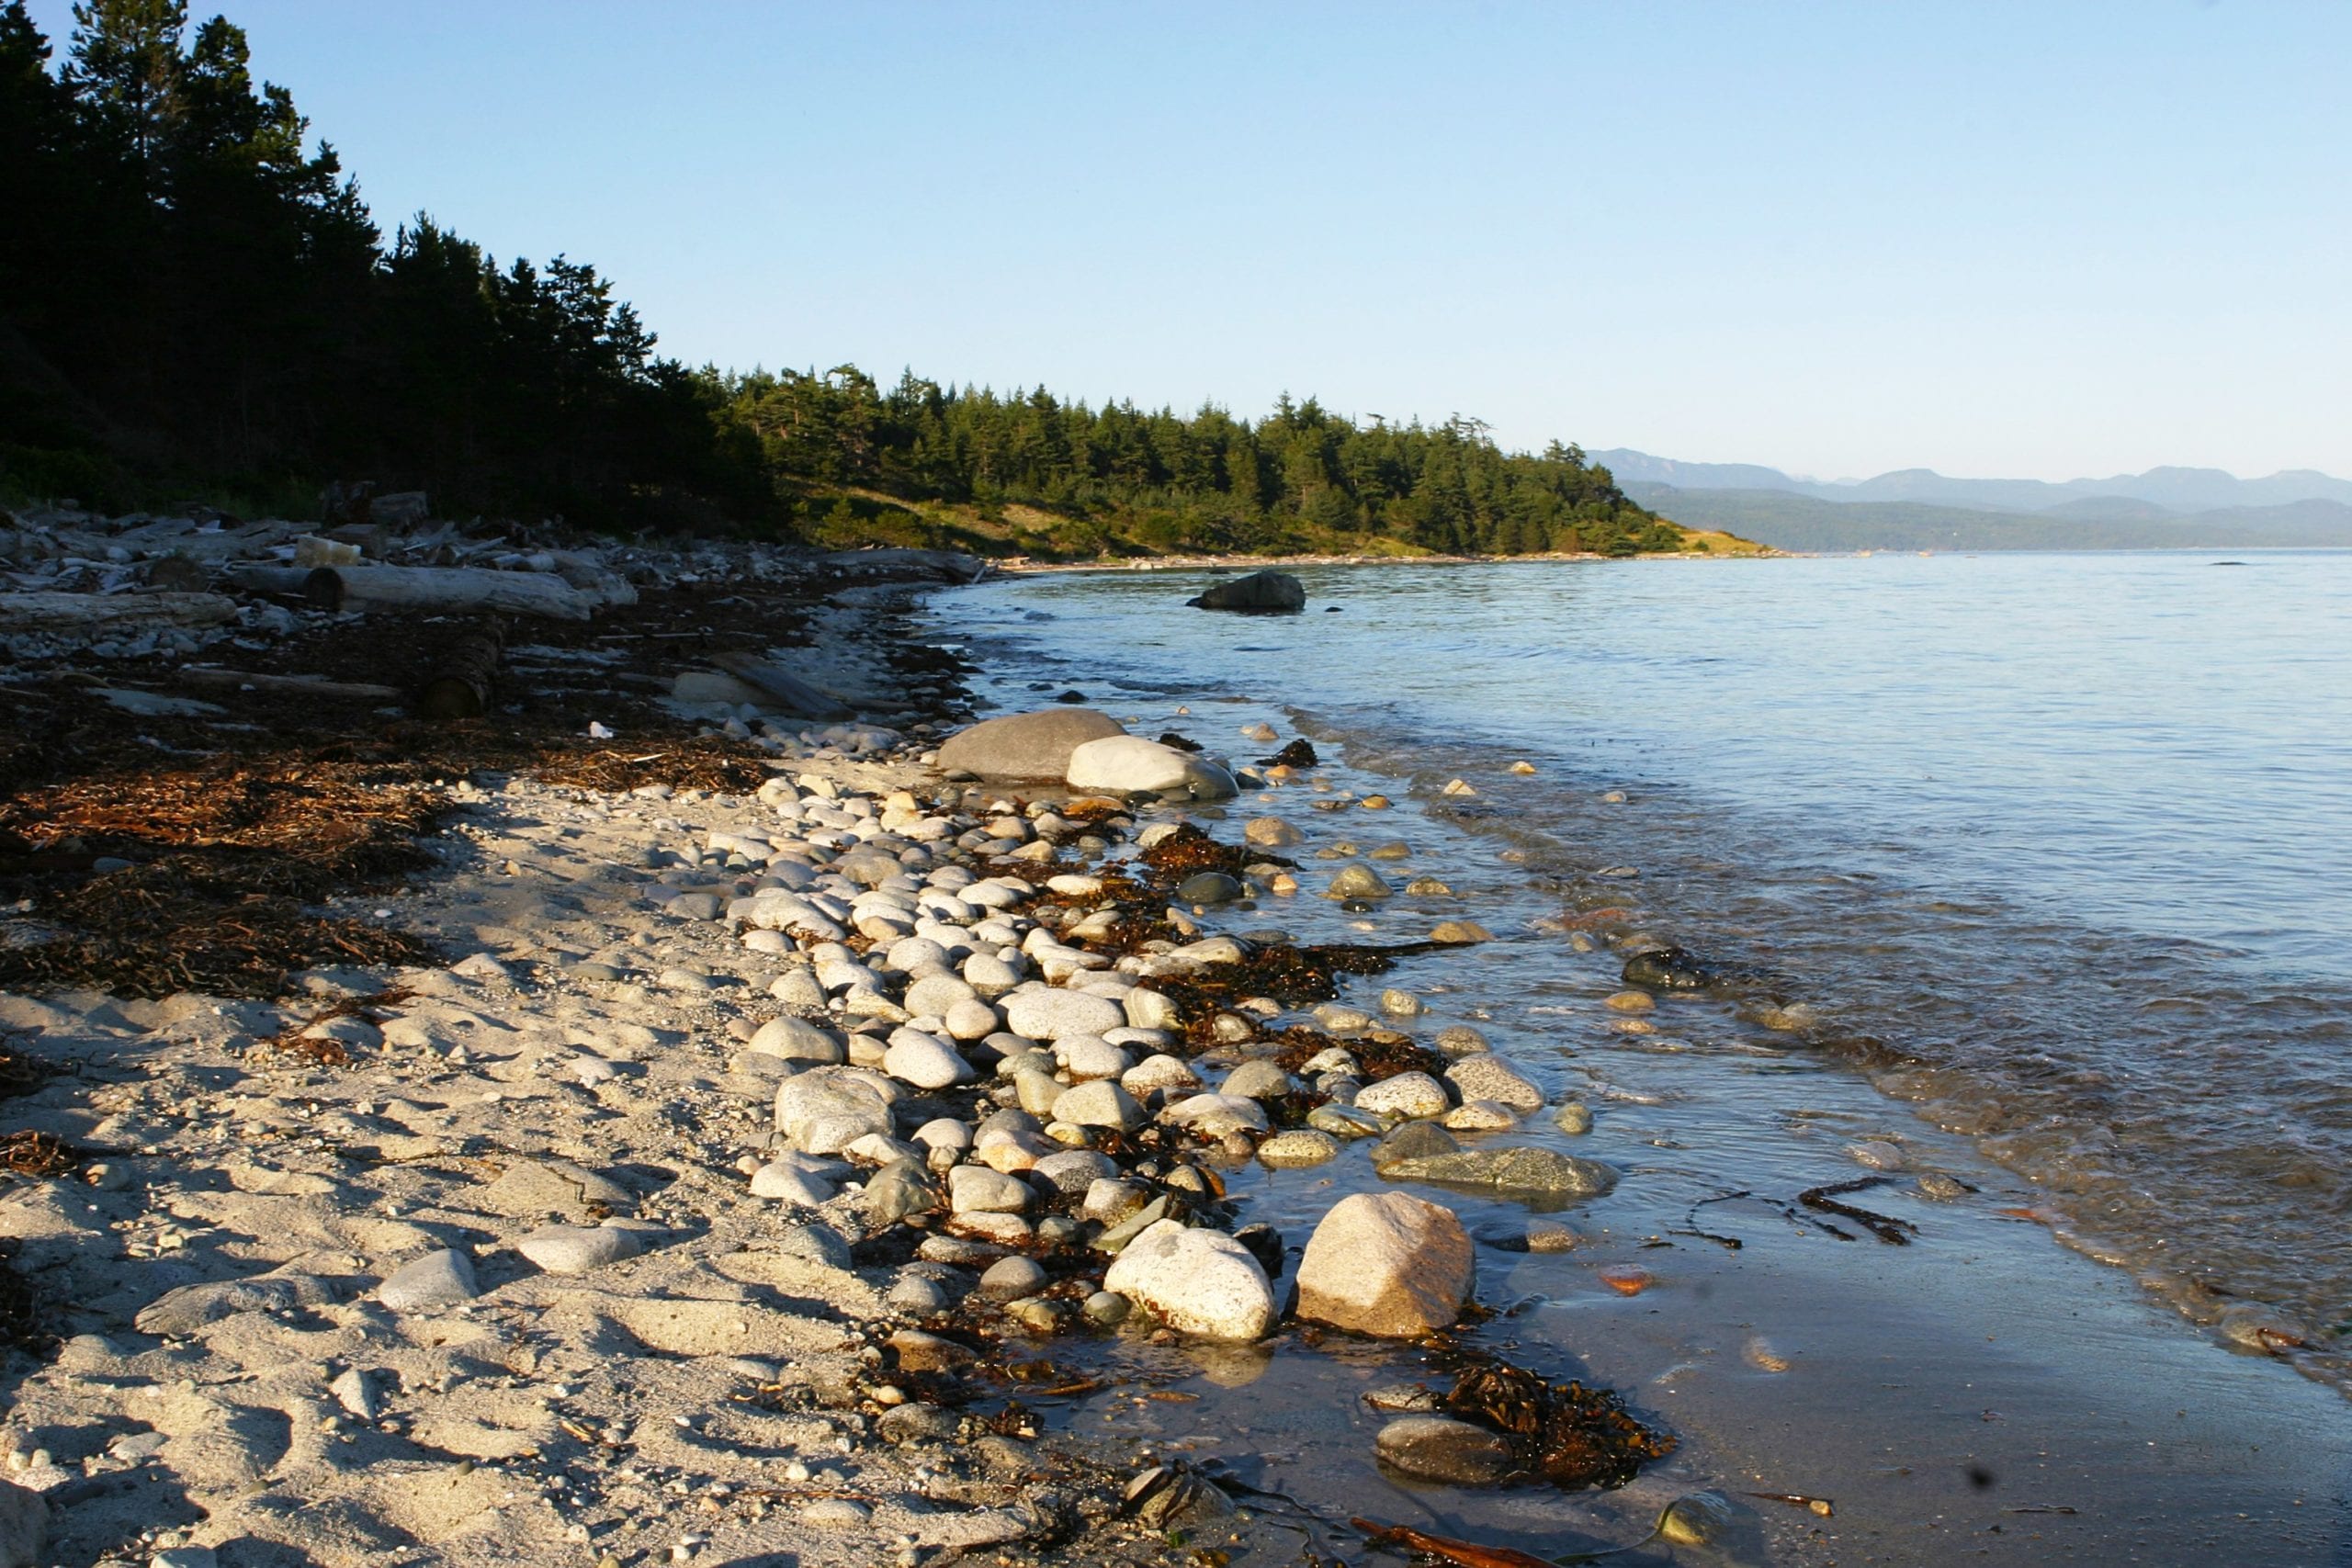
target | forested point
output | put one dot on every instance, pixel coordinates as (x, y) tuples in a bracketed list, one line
[(194, 302)]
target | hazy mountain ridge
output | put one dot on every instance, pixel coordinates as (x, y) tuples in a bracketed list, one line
[(1793, 520), (2180, 491)]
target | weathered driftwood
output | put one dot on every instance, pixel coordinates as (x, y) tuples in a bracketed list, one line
[(946, 566), (290, 583), (35, 614), (443, 590), (797, 696), (461, 680), (289, 685)]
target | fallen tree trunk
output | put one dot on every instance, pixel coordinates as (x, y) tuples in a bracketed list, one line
[(460, 685), (290, 685), (443, 589), (944, 566), (291, 582), (798, 698), (91, 615)]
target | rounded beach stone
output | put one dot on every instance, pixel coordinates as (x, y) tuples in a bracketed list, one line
[(797, 1040), (1215, 1115), (975, 1188), (1299, 1146), (790, 1185), (1199, 1282), (576, 1249), (1101, 1103), (1128, 764), (436, 1279), (1011, 1278), (1270, 832), (1438, 1447), (1358, 883), (924, 1062), (1405, 1096), (825, 1109), (1086, 1056), (1257, 1080), (1048, 1013), (1487, 1076), (1387, 1264)]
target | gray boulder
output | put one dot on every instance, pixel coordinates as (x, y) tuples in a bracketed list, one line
[(1031, 746), (1260, 592)]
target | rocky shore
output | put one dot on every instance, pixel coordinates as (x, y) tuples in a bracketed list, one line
[(744, 1164)]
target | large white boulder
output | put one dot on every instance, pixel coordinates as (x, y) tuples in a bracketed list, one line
[(1128, 764), (1387, 1264), (1201, 1282)]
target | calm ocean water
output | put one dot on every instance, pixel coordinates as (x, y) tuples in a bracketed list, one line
[(2059, 846)]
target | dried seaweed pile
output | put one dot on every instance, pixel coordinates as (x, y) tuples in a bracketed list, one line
[(226, 855), (1570, 1434), (712, 762)]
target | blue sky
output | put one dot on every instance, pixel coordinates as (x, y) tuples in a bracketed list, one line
[(2036, 240)]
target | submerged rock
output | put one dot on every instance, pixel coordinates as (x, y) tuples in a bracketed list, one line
[(1523, 1171), (1197, 1281), (1439, 1448)]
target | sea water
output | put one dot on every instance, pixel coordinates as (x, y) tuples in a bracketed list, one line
[(2054, 848)]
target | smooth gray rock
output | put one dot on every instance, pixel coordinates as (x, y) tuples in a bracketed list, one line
[(901, 1188), (1438, 1447), (1200, 1282), (1520, 1170), (797, 1040), (1026, 746), (1260, 593), (576, 1249), (436, 1279), (1487, 1076), (191, 1307)]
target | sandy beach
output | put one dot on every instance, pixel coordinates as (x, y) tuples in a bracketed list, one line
[(849, 1163)]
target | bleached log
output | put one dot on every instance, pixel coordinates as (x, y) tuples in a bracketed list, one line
[(285, 583), (91, 615), (289, 685), (798, 698), (443, 590)]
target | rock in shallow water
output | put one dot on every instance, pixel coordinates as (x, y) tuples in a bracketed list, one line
[(1198, 1281), (1523, 1171), (1387, 1264), (1438, 1447)]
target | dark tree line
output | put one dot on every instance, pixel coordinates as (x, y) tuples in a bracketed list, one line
[(192, 294), (194, 297), (1209, 482)]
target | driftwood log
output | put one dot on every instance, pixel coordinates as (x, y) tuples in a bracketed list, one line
[(461, 680), (797, 696), (445, 589), (87, 615), (289, 582), (289, 685)]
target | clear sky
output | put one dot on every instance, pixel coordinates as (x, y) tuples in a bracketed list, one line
[(2038, 240)]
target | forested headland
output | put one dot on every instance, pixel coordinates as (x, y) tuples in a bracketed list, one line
[(197, 303)]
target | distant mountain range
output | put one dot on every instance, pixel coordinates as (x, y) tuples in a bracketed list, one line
[(1920, 508)]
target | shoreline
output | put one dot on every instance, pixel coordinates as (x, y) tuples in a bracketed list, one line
[(571, 1069)]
